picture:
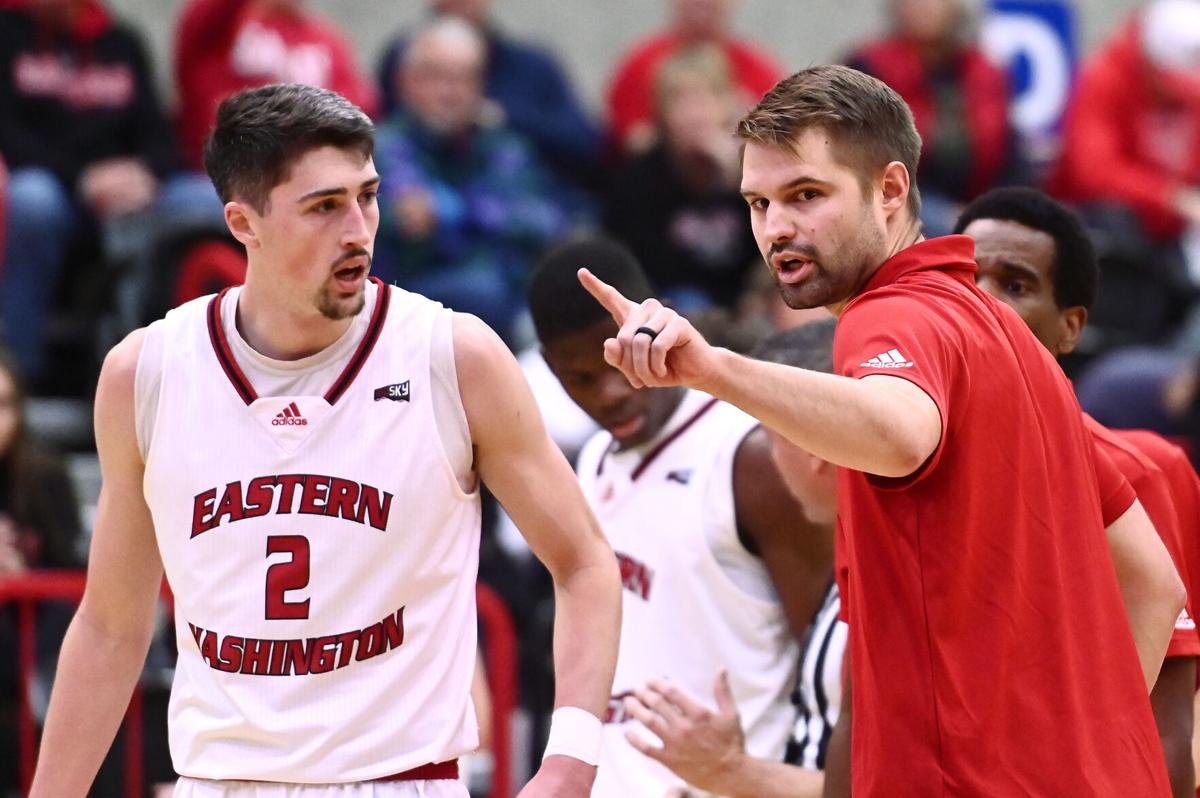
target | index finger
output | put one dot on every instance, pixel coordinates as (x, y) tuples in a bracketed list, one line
[(612, 299)]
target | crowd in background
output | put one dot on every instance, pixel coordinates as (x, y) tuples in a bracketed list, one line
[(488, 156)]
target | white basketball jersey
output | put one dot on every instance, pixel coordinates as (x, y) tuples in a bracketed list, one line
[(322, 554), (667, 508)]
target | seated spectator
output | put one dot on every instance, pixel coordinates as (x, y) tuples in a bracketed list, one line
[(39, 528), (959, 101), (527, 87), (39, 517), (464, 207), (222, 46), (677, 205), (1130, 140), (87, 147), (631, 101)]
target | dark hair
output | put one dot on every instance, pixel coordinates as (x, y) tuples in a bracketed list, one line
[(261, 132), (809, 346), (869, 124), (560, 305), (1075, 269)]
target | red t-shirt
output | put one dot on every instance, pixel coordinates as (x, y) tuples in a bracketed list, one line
[(990, 650), (224, 46), (1153, 490), (1184, 489), (631, 93)]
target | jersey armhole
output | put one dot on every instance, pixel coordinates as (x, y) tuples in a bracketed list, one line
[(147, 387), (448, 412)]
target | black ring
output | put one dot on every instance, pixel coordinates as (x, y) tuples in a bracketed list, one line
[(646, 331)]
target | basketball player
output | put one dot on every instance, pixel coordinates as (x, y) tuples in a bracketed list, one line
[(1035, 257), (944, 415), (707, 748), (719, 567), (302, 455)]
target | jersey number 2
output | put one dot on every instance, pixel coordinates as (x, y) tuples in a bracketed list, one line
[(288, 575)]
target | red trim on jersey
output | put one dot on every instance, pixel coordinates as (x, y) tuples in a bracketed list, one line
[(216, 334), (382, 297), (653, 454), (436, 771), (667, 441)]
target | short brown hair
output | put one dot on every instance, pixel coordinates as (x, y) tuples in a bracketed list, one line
[(262, 132), (870, 125)]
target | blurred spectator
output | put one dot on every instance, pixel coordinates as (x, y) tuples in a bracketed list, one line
[(39, 517), (86, 143), (465, 206), (677, 206), (39, 528), (525, 85), (222, 46), (1132, 140), (959, 101), (631, 100)]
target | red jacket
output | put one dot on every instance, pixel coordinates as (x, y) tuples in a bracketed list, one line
[(223, 46), (631, 91), (984, 102), (1123, 143)]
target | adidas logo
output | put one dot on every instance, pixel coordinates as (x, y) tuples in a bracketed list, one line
[(289, 417), (891, 359), (1185, 622)]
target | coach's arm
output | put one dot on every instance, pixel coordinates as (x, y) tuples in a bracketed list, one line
[(1150, 586), (520, 464), (879, 424), (106, 643)]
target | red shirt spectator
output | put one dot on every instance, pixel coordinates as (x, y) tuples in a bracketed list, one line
[(959, 99), (970, 588), (631, 91), (1132, 135), (223, 46), (960, 106)]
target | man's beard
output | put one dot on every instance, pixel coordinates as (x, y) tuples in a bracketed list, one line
[(840, 282), (335, 308)]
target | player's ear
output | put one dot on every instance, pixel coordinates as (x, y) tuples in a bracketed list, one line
[(1071, 322), (242, 222)]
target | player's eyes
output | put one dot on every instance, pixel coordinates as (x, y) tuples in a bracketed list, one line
[(369, 197), (759, 204)]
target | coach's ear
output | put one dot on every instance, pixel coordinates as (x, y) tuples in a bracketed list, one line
[(894, 187), (240, 219)]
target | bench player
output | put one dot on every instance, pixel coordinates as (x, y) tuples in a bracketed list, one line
[(942, 412), (720, 568), (302, 455), (706, 747), (1035, 257)]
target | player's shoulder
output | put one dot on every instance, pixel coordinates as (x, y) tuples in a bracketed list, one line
[(477, 347), (121, 362)]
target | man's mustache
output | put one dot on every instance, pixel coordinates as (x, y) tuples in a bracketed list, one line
[(803, 250), (356, 253)]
